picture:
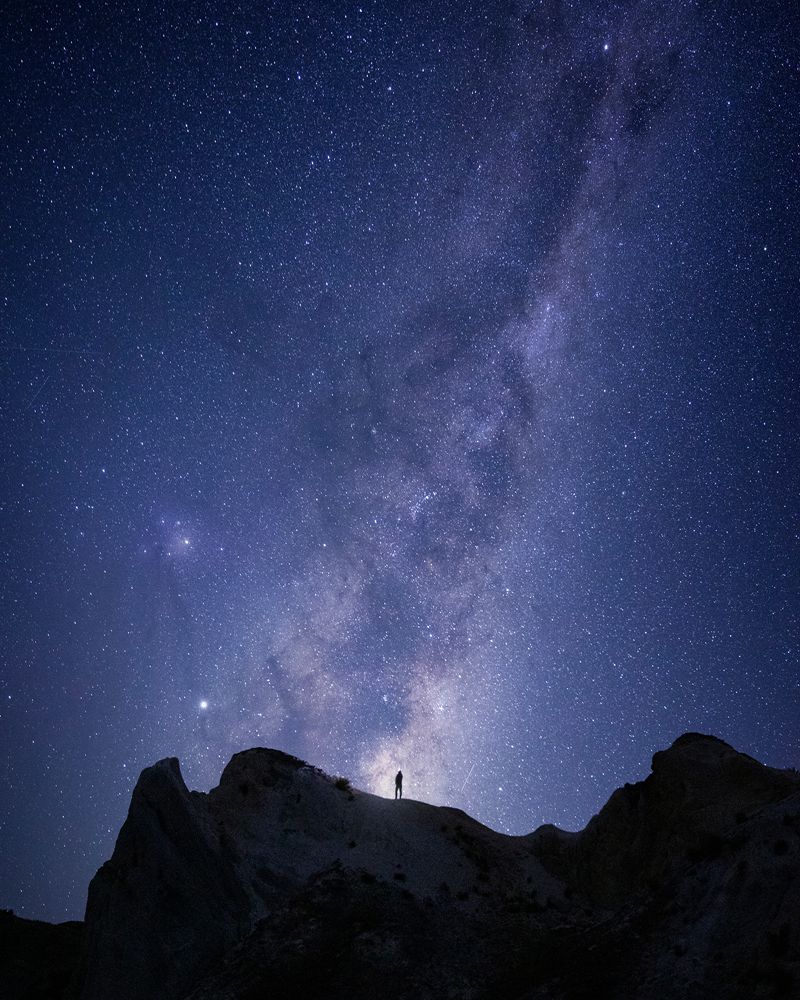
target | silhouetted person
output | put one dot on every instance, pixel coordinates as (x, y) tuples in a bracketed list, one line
[(398, 785)]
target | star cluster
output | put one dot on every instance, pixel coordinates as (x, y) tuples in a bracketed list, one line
[(399, 386)]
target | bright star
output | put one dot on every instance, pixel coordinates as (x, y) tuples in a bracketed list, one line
[(204, 704)]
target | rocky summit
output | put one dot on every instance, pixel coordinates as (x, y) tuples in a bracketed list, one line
[(283, 882)]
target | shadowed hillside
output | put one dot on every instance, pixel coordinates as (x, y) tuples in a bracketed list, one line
[(282, 882)]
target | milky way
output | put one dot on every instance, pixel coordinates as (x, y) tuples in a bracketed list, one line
[(402, 388)]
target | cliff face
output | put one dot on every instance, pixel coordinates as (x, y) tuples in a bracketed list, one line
[(696, 803), (692, 876), (281, 882), (282, 861), (169, 902)]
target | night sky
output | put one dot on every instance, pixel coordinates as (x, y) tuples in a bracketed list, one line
[(398, 385)]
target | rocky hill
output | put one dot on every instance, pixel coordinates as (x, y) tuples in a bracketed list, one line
[(285, 883)]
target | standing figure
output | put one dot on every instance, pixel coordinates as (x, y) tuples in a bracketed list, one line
[(398, 785)]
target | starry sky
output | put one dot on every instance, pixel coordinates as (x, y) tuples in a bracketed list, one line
[(395, 384)]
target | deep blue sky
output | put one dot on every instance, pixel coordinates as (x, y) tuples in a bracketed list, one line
[(399, 385)]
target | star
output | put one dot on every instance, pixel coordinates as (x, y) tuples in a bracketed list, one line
[(447, 421)]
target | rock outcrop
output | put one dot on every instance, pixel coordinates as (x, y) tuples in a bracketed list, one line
[(283, 882), (170, 884), (696, 870), (265, 854), (694, 803)]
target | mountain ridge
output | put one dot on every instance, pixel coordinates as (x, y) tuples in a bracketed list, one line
[(284, 881)]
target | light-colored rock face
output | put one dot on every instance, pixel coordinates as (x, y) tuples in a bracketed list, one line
[(293, 821), (195, 872), (211, 893)]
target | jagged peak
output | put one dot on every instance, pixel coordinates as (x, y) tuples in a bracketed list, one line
[(165, 773), (167, 765)]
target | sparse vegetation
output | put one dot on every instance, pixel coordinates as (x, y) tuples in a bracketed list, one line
[(343, 784)]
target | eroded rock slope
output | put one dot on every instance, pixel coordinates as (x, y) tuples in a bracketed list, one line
[(284, 883)]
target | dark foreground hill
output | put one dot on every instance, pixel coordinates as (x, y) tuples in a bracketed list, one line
[(283, 883)]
